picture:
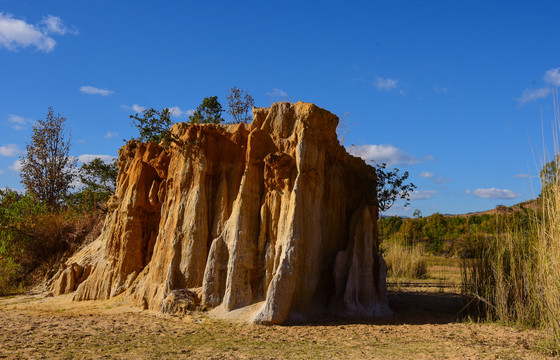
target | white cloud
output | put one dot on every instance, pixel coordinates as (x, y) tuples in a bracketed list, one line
[(177, 112), (95, 91), (552, 77), (110, 135), (55, 25), (422, 195), (529, 95), (16, 166), (10, 150), (493, 193), (426, 174), (17, 122), (440, 90), (398, 210), (17, 33), (85, 158), (522, 176), (1, 172), (136, 108), (442, 180), (16, 119), (385, 84), (277, 93), (382, 154)]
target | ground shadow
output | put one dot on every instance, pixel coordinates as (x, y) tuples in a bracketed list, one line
[(409, 307)]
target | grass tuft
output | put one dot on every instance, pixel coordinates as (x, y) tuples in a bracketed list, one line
[(405, 261)]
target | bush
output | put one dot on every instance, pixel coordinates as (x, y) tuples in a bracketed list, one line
[(31, 235)]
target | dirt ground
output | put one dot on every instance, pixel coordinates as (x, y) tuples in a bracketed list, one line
[(425, 326)]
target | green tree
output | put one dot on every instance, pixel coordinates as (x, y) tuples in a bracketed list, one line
[(99, 181), (410, 231), (47, 170), (389, 225), (239, 104), (210, 111), (392, 186), (435, 229), (154, 126), (417, 213)]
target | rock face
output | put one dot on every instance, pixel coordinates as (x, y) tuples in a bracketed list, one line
[(276, 215)]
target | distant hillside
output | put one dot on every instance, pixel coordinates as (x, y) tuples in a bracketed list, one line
[(530, 204)]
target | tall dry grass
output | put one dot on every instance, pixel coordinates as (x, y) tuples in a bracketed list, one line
[(516, 276), (405, 261), (547, 258)]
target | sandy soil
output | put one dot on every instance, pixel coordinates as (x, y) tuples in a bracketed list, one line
[(425, 326)]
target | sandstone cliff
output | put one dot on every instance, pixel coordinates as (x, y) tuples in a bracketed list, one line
[(275, 214)]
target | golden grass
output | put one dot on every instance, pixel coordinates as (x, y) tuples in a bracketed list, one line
[(516, 278), (404, 261)]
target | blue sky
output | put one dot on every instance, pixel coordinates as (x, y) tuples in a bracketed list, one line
[(451, 92)]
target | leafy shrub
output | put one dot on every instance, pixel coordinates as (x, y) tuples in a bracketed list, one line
[(31, 234)]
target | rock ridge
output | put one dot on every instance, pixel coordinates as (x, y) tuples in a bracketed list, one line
[(275, 215)]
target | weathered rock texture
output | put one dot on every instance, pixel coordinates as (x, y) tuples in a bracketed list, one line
[(277, 214)]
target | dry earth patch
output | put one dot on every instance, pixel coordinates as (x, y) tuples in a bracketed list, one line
[(425, 326)]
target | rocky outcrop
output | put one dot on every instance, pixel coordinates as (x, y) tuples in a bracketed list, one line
[(276, 215)]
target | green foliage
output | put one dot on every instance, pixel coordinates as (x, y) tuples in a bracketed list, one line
[(391, 186), (452, 235), (239, 104), (32, 233), (47, 168), (410, 231), (99, 181), (208, 112), (17, 214), (99, 176), (388, 226), (154, 126), (435, 230)]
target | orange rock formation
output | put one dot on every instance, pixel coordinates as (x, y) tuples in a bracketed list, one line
[(276, 216)]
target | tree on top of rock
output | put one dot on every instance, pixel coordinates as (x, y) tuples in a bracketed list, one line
[(209, 112), (239, 104), (154, 126)]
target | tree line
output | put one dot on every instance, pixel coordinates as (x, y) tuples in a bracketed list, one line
[(462, 236)]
